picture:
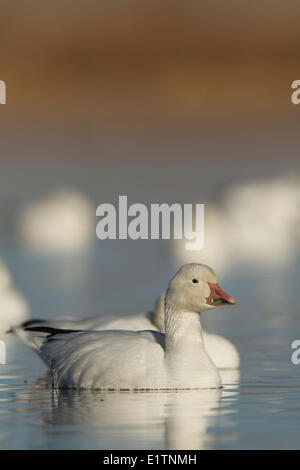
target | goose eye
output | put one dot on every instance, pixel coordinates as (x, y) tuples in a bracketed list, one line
[(195, 281)]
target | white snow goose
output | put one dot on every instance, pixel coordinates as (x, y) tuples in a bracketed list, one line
[(139, 360)]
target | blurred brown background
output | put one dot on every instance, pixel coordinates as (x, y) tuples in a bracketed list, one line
[(115, 79)]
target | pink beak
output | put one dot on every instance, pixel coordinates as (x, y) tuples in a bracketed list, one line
[(218, 296)]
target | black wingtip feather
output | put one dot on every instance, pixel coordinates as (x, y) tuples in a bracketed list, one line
[(51, 331), (32, 322)]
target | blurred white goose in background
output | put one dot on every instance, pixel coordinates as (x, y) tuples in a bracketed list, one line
[(176, 359), (13, 307), (217, 247), (263, 216), (63, 222), (222, 352), (257, 224)]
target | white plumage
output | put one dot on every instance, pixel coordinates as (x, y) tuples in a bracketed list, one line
[(222, 352), (176, 359)]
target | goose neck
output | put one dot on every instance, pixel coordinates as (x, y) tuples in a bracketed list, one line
[(187, 362), (182, 328)]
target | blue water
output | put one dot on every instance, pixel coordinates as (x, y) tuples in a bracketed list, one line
[(258, 407)]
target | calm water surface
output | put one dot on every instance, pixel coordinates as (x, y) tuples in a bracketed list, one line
[(259, 409)]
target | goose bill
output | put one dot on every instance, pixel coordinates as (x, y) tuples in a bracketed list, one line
[(218, 296)]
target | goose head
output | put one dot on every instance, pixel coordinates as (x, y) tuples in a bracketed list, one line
[(195, 288)]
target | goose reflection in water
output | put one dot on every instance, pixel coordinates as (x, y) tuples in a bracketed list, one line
[(182, 419)]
